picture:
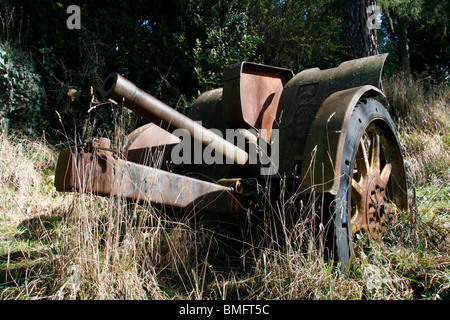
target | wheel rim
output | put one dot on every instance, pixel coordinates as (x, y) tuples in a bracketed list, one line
[(371, 195)]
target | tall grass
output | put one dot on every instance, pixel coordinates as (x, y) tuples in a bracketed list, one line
[(420, 109), (79, 246), (28, 211)]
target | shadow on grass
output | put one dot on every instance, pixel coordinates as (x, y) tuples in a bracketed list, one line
[(20, 266), (38, 228), (16, 270)]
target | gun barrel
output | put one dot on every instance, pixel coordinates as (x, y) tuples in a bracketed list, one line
[(124, 91)]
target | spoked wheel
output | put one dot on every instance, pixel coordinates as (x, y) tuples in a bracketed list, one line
[(369, 194), (373, 181)]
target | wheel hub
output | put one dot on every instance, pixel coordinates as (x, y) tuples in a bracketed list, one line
[(375, 205)]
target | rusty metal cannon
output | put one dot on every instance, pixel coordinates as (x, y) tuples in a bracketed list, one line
[(325, 131)]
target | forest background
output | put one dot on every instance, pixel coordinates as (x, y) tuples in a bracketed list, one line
[(177, 49)]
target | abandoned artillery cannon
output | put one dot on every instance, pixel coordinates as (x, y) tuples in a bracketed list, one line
[(321, 130)]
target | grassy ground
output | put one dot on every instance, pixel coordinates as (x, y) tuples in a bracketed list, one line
[(77, 246)]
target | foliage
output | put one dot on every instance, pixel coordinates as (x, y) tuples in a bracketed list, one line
[(429, 41), (224, 38), (20, 91), (410, 9), (300, 34), (177, 48), (426, 22), (171, 49)]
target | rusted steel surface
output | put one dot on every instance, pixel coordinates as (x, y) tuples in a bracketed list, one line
[(100, 172), (207, 108), (313, 110), (150, 135), (123, 91), (326, 138), (251, 95), (301, 100), (150, 145)]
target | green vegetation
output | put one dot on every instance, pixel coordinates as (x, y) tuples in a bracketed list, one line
[(177, 48), (78, 246), (20, 88)]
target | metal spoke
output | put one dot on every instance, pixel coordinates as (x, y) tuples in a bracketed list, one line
[(386, 173), (371, 175), (358, 188), (375, 152), (362, 160)]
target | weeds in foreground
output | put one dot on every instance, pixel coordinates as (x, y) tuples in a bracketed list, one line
[(78, 246)]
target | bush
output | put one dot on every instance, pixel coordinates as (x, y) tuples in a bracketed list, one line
[(20, 91)]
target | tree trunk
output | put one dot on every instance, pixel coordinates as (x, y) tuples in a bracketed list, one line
[(403, 46), (360, 33)]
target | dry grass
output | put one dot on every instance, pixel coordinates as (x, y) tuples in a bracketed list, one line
[(78, 246), (419, 103), (423, 122), (30, 210)]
